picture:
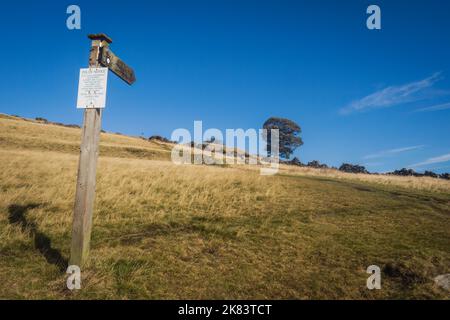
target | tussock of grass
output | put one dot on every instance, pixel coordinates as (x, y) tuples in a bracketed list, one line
[(167, 231)]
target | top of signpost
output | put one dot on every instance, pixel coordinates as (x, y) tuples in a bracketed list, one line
[(100, 36)]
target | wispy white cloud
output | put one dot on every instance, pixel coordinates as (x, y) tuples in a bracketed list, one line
[(438, 167), (434, 108), (391, 152), (439, 159), (373, 164), (393, 95)]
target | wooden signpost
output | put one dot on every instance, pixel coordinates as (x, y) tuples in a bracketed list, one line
[(100, 55)]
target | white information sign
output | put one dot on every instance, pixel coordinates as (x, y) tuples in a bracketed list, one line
[(92, 88)]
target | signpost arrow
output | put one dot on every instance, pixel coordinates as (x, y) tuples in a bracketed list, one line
[(90, 137), (113, 62)]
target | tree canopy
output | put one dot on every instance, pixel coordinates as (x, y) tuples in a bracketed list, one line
[(289, 135)]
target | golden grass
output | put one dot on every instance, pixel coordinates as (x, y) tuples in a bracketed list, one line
[(166, 231), (16, 133), (19, 134), (418, 183)]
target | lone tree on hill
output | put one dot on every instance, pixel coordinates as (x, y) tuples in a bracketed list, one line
[(289, 135)]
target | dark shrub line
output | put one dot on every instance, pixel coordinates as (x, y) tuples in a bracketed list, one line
[(353, 168)]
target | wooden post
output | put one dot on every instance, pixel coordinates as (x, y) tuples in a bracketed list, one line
[(87, 168)]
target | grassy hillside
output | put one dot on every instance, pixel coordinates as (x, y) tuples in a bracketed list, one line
[(167, 231)]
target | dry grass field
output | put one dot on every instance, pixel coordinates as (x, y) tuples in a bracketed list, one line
[(163, 231)]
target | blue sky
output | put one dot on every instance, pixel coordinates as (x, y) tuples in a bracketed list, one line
[(380, 98)]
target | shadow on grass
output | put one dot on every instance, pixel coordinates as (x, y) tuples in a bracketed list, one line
[(17, 216)]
